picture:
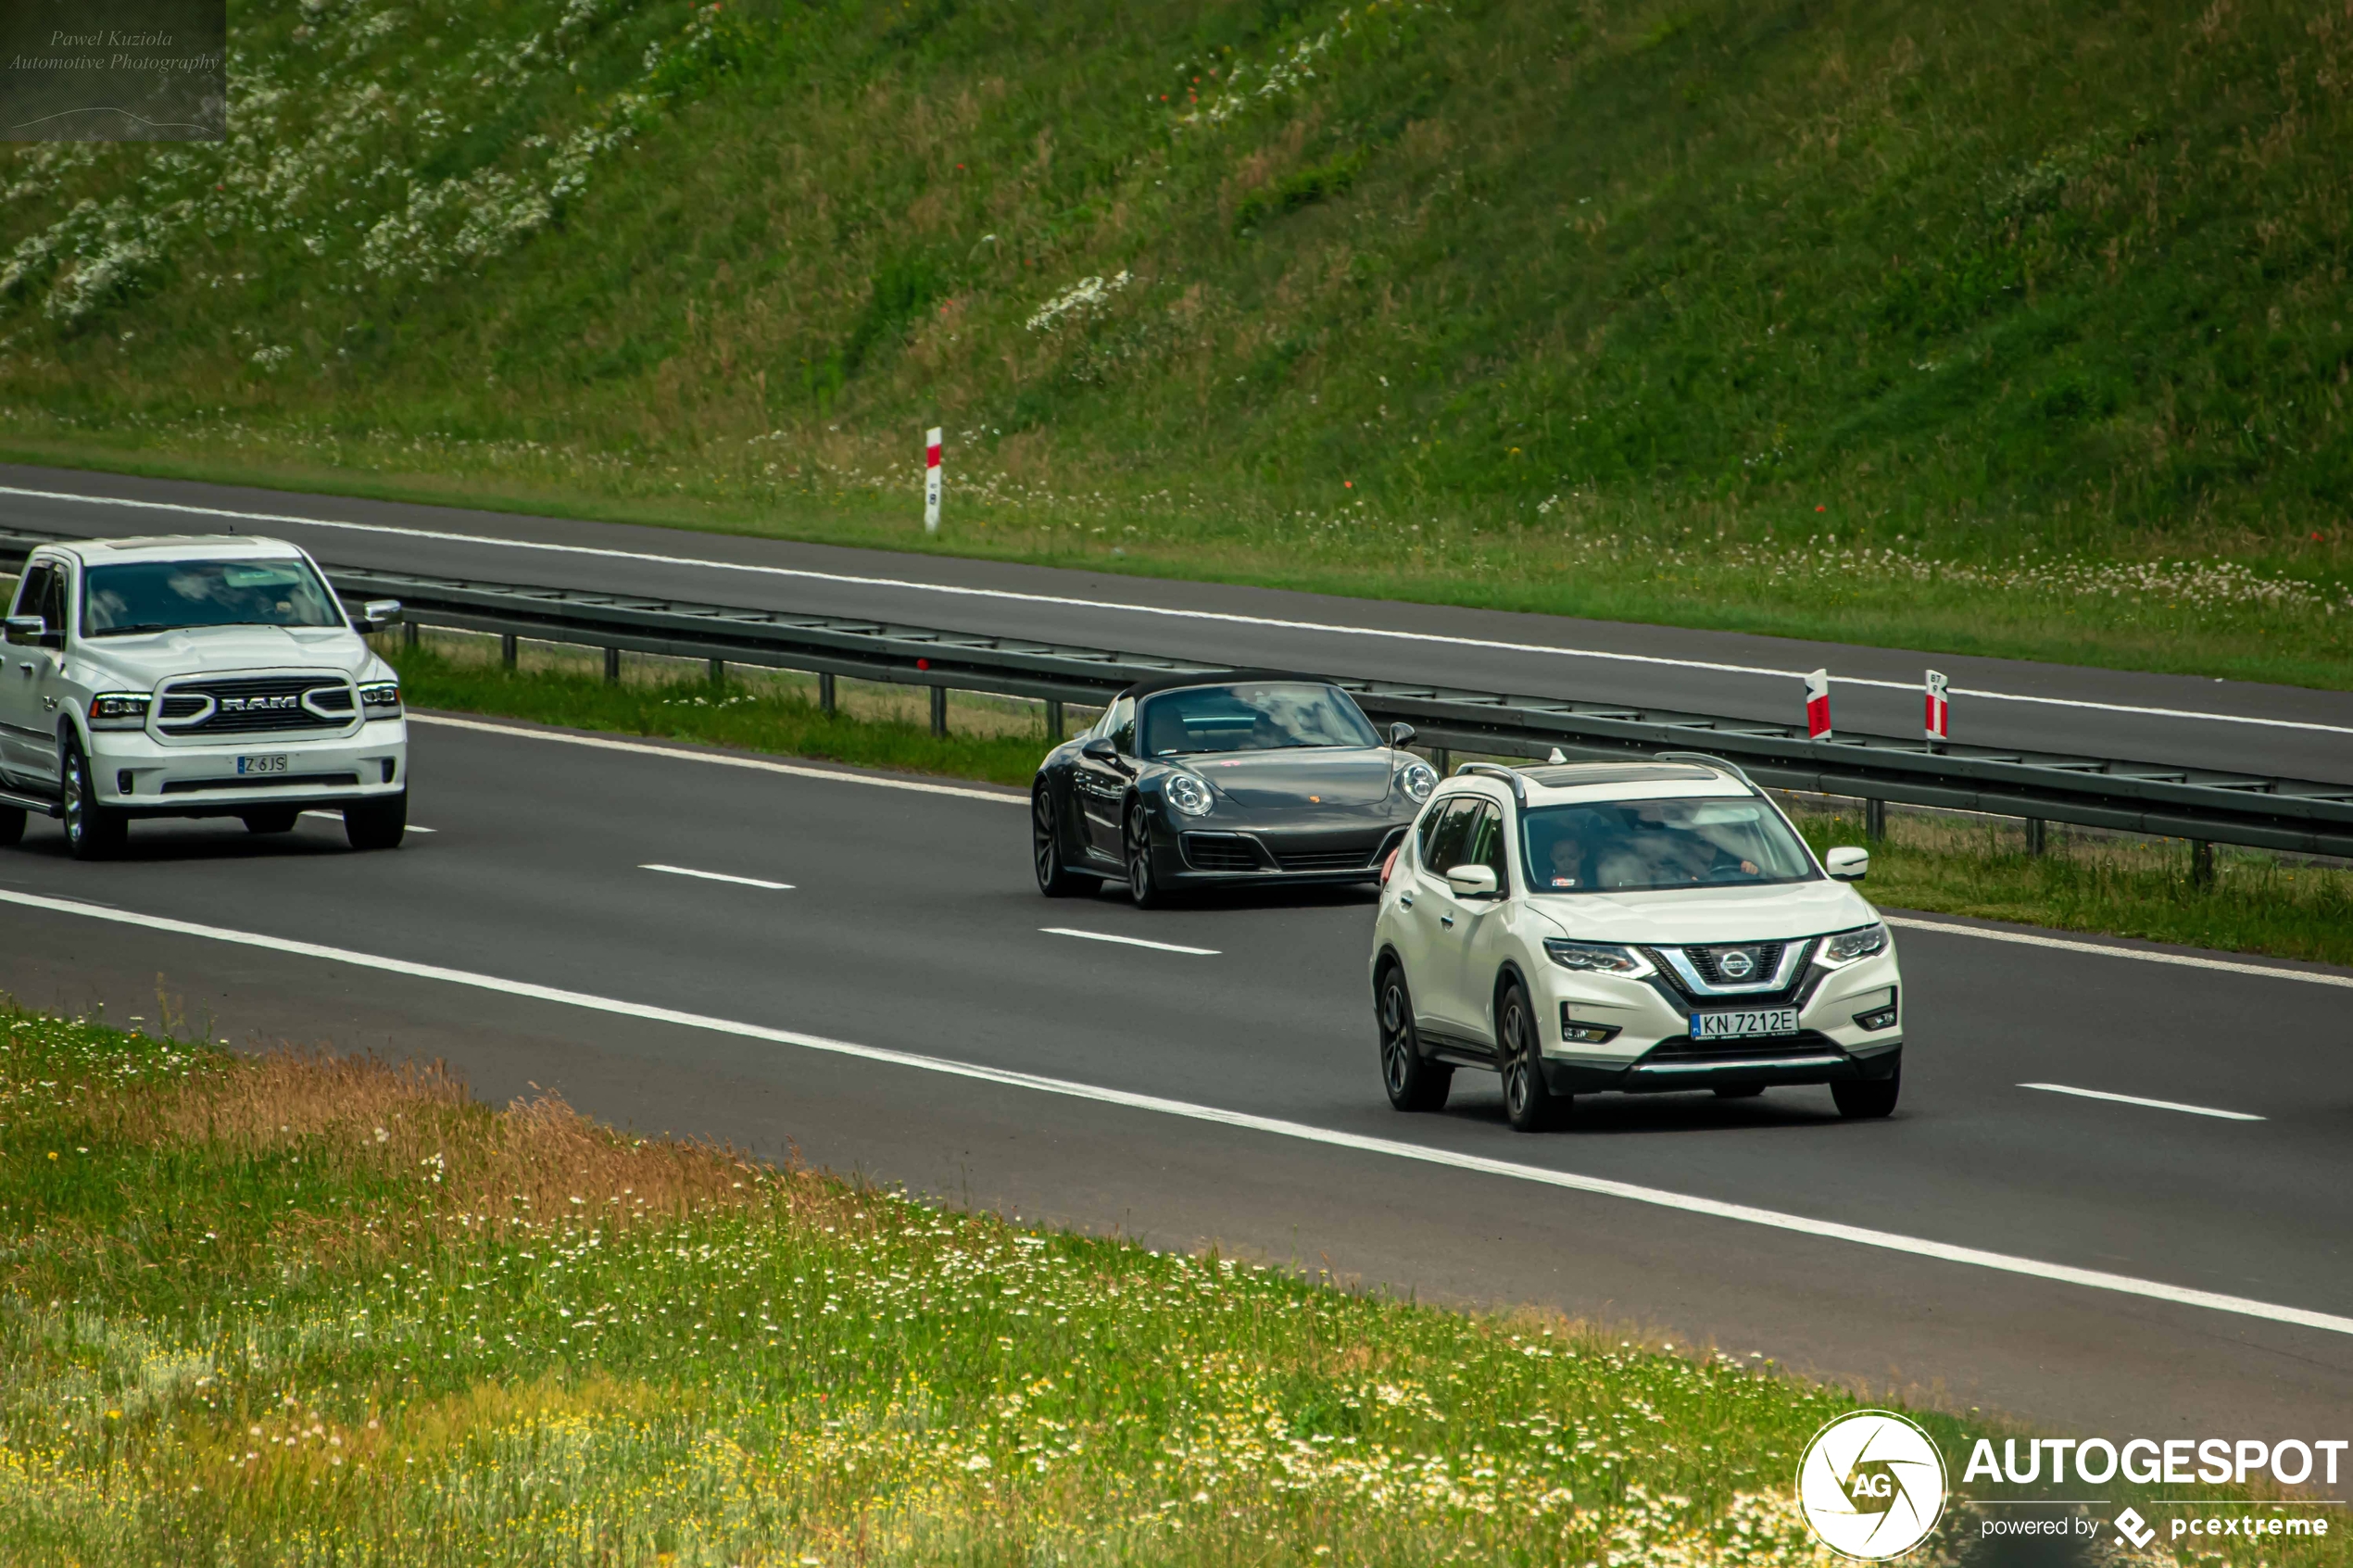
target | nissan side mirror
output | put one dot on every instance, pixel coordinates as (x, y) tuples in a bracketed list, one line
[(1847, 863), (26, 630), (1100, 750), (1473, 882), (376, 614), (1399, 733)]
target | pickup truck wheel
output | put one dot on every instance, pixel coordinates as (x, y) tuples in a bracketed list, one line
[(11, 825), (377, 824), (1529, 1101), (92, 832), (271, 818), (1413, 1082)]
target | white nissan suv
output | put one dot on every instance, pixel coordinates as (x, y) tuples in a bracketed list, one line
[(1629, 926), (199, 676)]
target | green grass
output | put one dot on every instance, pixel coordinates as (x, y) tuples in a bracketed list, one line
[(2254, 904), (751, 716), (279, 1309), (2016, 328)]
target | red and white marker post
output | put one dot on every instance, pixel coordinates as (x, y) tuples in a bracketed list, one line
[(1939, 716), (931, 481), (1817, 705)]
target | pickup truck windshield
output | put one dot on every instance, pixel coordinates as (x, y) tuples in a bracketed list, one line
[(165, 595), (1625, 845)]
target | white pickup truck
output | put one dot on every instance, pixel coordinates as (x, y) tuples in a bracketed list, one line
[(199, 676)]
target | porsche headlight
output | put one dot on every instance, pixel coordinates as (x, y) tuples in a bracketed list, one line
[(1849, 947), (381, 698), (1419, 779), (1187, 794), (119, 711), (1598, 957)]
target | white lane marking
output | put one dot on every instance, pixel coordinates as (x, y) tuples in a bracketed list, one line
[(677, 754), (1125, 941), (337, 816), (1890, 1241), (719, 876), (1228, 617), (2152, 1104), (2184, 961)]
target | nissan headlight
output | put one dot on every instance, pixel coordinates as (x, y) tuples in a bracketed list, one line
[(1598, 958), (381, 698), (119, 711), (1418, 779), (1187, 794), (1852, 946)]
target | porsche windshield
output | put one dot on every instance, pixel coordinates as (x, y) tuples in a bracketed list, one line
[(1627, 846), (165, 595), (1253, 716)]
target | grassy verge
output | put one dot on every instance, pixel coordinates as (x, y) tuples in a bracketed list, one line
[(2255, 904), (282, 1308)]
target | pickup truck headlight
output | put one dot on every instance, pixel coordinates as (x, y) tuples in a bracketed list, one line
[(1852, 946), (1187, 794), (119, 711), (1598, 958), (381, 698), (1419, 779)]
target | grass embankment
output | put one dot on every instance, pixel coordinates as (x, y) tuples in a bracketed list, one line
[(284, 1309), (2012, 328)]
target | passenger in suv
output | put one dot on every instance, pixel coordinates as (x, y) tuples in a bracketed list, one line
[(1629, 926), (196, 677)]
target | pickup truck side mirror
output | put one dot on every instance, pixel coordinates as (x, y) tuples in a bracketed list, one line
[(1100, 750), (1473, 882), (26, 631), (1848, 863), (1399, 733), (375, 615)]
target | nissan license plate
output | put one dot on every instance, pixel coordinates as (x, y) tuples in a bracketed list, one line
[(1747, 1025), (273, 764)]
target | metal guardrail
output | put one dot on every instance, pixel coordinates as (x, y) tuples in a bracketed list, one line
[(2201, 804)]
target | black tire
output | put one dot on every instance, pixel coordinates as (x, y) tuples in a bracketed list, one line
[(377, 824), (1143, 886), (11, 825), (1056, 880), (1413, 1082), (1739, 1091), (1529, 1101), (1864, 1100), (92, 832), (271, 818)]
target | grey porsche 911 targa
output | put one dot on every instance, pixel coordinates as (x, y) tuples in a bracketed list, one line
[(1223, 777)]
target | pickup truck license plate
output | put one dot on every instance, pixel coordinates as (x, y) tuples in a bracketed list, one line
[(273, 764), (1744, 1025)]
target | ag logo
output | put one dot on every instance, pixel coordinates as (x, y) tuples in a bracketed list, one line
[(1872, 1484)]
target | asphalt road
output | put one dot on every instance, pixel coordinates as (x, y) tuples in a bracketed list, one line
[(909, 925), (2180, 720)]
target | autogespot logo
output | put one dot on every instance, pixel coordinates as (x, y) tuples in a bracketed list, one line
[(1872, 1484)]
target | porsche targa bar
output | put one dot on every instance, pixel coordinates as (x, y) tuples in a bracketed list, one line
[(1220, 778)]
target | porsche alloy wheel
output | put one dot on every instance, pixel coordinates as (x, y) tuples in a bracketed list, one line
[(1054, 880), (1142, 885)]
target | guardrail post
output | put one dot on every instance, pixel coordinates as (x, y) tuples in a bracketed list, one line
[(408, 634), (718, 671), (1054, 721), (2201, 863), (1440, 757), (825, 694), (507, 650), (939, 710), (2037, 835), (613, 667), (1874, 820)]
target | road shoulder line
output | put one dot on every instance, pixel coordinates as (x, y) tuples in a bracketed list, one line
[(2068, 945), (1918, 1247)]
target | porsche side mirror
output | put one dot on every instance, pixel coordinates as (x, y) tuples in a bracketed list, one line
[(375, 615), (25, 630), (1100, 750), (1473, 882), (1848, 863), (1399, 733)]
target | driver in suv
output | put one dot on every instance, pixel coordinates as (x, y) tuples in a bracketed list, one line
[(1633, 927)]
